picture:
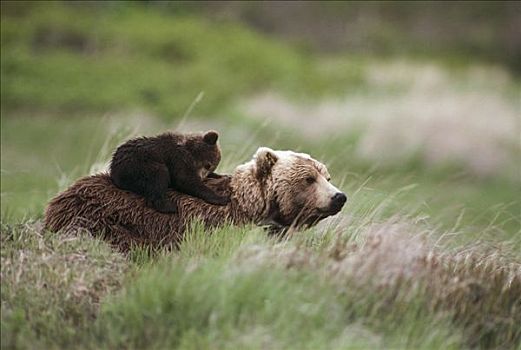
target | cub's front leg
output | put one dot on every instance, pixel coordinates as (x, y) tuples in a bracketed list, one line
[(194, 186), (214, 176)]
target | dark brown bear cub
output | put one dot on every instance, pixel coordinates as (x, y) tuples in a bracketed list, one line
[(150, 165)]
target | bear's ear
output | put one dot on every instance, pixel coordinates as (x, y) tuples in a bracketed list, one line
[(265, 158), (211, 137)]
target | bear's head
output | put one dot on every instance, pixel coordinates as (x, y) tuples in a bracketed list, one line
[(205, 151), (295, 188)]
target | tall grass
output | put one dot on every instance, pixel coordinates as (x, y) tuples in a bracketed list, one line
[(52, 285), (374, 284)]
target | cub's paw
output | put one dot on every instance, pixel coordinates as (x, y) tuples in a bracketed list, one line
[(163, 206), (220, 200)]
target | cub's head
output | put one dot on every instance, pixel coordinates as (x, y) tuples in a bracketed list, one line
[(205, 151), (296, 187)]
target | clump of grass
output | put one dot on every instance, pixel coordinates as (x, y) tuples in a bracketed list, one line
[(227, 304), (387, 285), (221, 243), (52, 285), (399, 265), (365, 283), (481, 290)]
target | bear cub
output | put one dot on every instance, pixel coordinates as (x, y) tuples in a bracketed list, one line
[(149, 166)]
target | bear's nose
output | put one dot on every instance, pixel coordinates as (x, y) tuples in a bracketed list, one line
[(339, 199)]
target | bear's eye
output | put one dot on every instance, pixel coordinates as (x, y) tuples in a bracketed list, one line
[(310, 179), (207, 166)]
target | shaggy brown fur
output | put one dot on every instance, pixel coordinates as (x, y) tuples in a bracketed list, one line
[(122, 218), (268, 190)]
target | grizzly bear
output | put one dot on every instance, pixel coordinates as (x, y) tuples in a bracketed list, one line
[(276, 189), (149, 166)]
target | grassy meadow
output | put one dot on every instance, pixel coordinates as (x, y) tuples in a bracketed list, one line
[(426, 254)]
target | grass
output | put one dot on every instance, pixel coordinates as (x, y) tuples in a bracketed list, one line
[(52, 286), (124, 57), (365, 286)]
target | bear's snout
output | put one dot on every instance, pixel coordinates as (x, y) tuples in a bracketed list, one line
[(338, 201)]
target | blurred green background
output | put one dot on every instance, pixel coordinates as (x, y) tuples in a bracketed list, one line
[(418, 100)]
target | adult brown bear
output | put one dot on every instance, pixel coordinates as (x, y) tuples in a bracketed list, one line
[(279, 189)]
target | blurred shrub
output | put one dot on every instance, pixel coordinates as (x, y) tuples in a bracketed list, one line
[(74, 57), (460, 30)]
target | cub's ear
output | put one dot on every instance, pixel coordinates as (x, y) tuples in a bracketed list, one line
[(211, 137), (265, 158)]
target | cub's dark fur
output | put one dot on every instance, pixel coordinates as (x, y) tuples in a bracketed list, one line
[(150, 165)]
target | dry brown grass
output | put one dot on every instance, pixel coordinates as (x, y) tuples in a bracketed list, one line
[(52, 285), (399, 262)]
